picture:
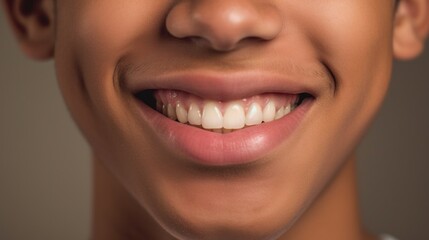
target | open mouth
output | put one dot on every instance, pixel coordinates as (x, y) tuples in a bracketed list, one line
[(214, 118), (221, 116)]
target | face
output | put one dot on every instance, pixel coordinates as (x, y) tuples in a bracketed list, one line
[(121, 64)]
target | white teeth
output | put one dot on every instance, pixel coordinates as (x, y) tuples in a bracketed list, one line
[(182, 114), (287, 110), (159, 106), (171, 112), (164, 110), (234, 117), (254, 115), (269, 112), (212, 116), (279, 113), (194, 115)]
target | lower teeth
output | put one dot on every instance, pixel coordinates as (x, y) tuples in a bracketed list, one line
[(223, 130)]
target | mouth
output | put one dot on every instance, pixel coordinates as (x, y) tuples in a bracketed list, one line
[(221, 116), (212, 119)]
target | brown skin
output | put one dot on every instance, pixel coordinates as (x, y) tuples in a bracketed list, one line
[(297, 193)]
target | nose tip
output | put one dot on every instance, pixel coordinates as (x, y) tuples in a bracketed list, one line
[(223, 24)]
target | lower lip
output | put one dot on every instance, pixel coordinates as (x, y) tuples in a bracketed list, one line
[(207, 148)]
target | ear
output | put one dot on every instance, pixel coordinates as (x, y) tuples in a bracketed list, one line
[(32, 22), (411, 28)]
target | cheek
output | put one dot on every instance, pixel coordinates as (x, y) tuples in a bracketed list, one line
[(357, 44), (362, 65), (92, 36), (98, 33), (357, 47), (354, 38)]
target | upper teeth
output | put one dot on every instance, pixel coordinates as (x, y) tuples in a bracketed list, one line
[(234, 116), (224, 116)]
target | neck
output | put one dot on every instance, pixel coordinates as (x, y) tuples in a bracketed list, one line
[(333, 215)]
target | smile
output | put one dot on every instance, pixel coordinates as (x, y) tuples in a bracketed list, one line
[(240, 121), (218, 116)]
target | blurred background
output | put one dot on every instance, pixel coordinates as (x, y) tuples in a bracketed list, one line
[(45, 174)]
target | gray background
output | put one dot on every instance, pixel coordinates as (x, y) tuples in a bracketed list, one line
[(45, 171)]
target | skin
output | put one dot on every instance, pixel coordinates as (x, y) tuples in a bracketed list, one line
[(305, 189)]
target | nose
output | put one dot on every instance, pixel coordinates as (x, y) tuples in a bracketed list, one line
[(223, 24)]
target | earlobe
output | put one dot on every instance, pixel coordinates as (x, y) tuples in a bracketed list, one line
[(411, 28), (33, 24)]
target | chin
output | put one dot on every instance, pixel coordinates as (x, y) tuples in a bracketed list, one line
[(194, 213), (226, 227)]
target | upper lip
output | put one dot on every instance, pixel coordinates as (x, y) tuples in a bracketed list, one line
[(226, 78), (224, 86)]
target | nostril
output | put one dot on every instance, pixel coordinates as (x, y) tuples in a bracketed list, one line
[(220, 46), (224, 46)]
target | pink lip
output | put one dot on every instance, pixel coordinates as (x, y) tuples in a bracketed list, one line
[(212, 149)]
